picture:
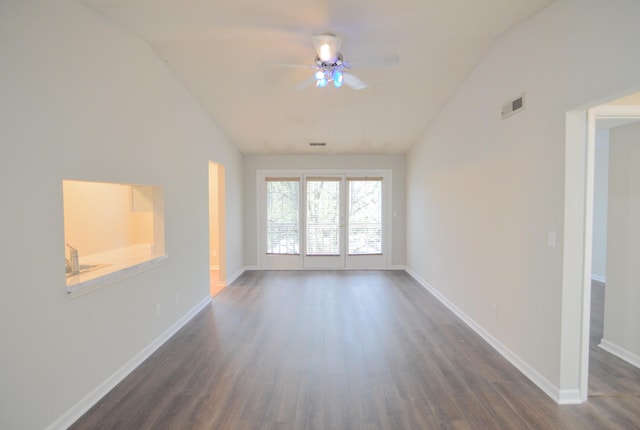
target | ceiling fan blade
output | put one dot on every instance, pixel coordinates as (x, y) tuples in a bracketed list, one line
[(388, 60), (305, 84), (354, 82)]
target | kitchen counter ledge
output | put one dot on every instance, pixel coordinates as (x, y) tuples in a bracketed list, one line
[(113, 266)]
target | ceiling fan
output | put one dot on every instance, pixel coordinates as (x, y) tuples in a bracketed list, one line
[(329, 64), (330, 67)]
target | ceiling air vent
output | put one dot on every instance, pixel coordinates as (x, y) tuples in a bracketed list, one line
[(512, 107), (314, 144)]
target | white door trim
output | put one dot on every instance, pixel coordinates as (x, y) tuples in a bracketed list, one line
[(578, 224)]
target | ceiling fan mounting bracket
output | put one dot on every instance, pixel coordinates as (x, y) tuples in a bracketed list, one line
[(338, 62)]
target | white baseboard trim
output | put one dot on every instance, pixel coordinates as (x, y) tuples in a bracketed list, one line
[(563, 397), (76, 411), (393, 267), (569, 397), (235, 276), (599, 278), (620, 352)]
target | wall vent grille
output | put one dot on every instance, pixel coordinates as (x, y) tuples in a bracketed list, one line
[(514, 106)]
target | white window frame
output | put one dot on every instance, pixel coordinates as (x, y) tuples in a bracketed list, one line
[(297, 262)]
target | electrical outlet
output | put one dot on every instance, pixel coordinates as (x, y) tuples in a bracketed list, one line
[(552, 239), (494, 310), (158, 309)]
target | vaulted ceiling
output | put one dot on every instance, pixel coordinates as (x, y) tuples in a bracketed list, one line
[(233, 56)]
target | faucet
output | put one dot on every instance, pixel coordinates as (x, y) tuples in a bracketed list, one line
[(71, 263)]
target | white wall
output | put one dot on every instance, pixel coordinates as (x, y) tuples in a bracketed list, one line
[(396, 163), (83, 99), (483, 193), (621, 316), (600, 201)]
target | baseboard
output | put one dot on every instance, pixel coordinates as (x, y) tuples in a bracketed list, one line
[(559, 396), (76, 411), (620, 352), (393, 267), (599, 278), (569, 397), (235, 276)]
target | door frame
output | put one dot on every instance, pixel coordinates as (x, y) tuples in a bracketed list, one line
[(297, 262), (578, 245)]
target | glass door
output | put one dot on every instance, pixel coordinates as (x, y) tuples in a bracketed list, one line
[(281, 223), (365, 227), (324, 222), (324, 219)]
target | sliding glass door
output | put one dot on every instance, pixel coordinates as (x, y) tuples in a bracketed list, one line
[(282, 222), (365, 223), (324, 224), (327, 221)]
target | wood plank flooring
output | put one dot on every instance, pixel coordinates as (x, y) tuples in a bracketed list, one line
[(608, 375), (336, 350)]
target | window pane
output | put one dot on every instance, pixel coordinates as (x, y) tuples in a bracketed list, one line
[(323, 217), (283, 219), (365, 217)]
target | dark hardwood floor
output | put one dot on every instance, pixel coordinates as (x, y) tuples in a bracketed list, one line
[(608, 375), (337, 350)]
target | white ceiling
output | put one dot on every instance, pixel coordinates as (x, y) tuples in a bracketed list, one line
[(223, 51)]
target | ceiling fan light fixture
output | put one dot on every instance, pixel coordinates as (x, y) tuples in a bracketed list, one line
[(325, 52), (329, 65), (338, 78), (327, 47)]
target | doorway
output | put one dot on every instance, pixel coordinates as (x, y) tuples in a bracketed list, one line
[(614, 362), (578, 243), (217, 242)]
